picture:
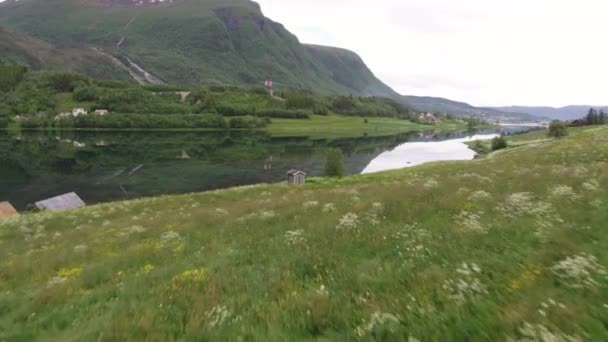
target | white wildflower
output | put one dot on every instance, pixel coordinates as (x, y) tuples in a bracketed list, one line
[(56, 281), (80, 248), (540, 333), (563, 192), (267, 214), (477, 177), (468, 269), (329, 208), (311, 204), (463, 191), (479, 196), (348, 222), (169, 239), (591, 185), (431, 183), (294, 237), (597, 203), (217, 316), (221, 212), (136, 229), (465, 287), (411, 242), (322, 291), (469, 222), (578, 271), (375, 214), (378, 319)]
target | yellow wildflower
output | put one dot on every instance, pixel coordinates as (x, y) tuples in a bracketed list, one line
[(69, 272), (146, 269), (188, 277)]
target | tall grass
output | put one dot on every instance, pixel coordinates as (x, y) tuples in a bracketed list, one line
[(508, 247)]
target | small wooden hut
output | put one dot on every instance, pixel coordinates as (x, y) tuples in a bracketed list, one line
[(7, 210), (62, 202), (296, 177)]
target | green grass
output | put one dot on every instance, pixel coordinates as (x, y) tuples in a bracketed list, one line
[(333, 126), (509, 247)]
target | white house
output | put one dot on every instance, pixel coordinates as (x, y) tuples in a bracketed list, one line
[(101, 112), (78, 111)]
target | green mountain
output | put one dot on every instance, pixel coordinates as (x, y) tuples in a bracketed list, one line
[(190, 41), (38, 54), (198, 41)]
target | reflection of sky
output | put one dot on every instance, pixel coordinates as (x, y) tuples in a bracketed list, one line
[(416, 153)]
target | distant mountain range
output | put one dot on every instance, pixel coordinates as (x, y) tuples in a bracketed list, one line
[(191, 42), (563, 113)]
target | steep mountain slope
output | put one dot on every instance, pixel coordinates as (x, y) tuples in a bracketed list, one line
[(348, 69), (38, 54), (198, 41), (186, 41), (563, 113)]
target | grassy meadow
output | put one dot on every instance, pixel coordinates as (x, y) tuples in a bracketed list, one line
[(512, 247), (336, 126)]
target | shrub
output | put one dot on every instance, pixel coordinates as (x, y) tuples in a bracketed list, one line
[(63, 82), (84, 94), (557, 129), (247, 122), (499, 143), (283, 113), (342, 104), (320, 110), (234, 109), (334, 164), (11, 76)]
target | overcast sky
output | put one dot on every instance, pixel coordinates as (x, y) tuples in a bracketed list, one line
[(485, 52)]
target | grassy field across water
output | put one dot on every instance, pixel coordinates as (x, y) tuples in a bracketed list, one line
[(333, 126), (511, 247)]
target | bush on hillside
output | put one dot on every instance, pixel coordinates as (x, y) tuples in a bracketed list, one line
[(128, 121), (247, 122), (65, 82), (557, 129), (234, 109), (334, 164), (11, 76), (85, 94), (342, 104), (499, 143), (284, 113)]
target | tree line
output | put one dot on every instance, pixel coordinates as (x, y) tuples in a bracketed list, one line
[(596, 117)]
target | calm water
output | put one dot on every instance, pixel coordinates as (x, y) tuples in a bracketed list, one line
[(104, 166), (416, 153)]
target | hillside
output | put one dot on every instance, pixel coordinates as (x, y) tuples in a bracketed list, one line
[(563, 113), (201, 41), (514, 247), (38, 54), (441, 105), (185, 42)]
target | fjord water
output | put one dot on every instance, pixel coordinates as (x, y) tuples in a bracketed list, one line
[(415, 153), (106, 166)]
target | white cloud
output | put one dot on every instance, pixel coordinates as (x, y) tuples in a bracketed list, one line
[(486, 52)]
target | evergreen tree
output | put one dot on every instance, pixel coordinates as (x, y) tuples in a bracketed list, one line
[(603, 119), (592, 117)]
